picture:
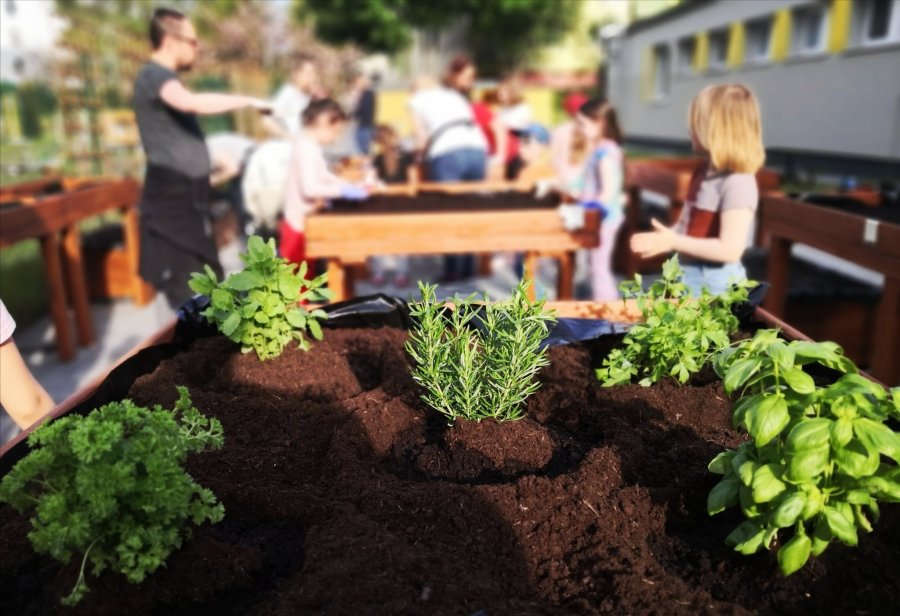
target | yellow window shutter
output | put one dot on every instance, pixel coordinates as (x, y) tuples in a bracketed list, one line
[(781, 35), (839, 25), (648, 73), (735, 55), (701, 53)]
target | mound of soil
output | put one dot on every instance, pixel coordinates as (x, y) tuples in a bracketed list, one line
[(345, 494)]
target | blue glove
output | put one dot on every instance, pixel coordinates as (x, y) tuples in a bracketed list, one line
[(595, 205), (351, 192)]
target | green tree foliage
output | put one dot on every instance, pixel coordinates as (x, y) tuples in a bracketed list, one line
[(501, 32)]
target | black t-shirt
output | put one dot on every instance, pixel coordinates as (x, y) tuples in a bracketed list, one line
[(171, 138), (400, 174)]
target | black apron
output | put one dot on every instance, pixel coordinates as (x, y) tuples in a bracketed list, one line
[(176, 232)]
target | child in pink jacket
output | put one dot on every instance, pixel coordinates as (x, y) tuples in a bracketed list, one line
[(310, 185)]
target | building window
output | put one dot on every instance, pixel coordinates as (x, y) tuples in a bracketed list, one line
[(758, 40), (876, 21), (10, 7), (808, 25), (718, 48), (687, 47), (662, 63)]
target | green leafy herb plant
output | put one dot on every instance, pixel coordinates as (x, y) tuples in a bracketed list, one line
[(261, 307), (478, 360), (111, 486), (821, 458), (678, 334)]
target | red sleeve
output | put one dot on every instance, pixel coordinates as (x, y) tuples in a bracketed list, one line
[(484, 117)]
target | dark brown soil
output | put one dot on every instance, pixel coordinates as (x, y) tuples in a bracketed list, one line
[(344, 494), (445, 202)]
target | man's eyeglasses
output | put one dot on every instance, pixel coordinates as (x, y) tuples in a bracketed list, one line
[(190, 40)]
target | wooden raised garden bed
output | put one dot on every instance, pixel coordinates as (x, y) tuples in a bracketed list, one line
[(445, 222), (345, 494)]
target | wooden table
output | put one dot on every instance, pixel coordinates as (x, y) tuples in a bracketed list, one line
[(670, 177), (54, 222), (347, 238), (857, 236)]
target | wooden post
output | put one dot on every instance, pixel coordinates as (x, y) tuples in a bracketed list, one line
[(884, 355), (58, 306), (338, 279), (74, 263), (777, 274), (484, 264), (531, 270), (141, 292), (565, 282)]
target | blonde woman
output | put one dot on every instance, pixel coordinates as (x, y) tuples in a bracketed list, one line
[(714, 228)]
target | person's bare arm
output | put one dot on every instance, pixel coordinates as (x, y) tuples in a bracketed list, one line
[(175, 95), (727, 248), (20, 394)]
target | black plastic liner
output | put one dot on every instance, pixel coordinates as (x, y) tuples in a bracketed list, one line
[(372, 311)]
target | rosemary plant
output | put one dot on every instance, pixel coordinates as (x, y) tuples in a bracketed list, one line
[(478, 360)]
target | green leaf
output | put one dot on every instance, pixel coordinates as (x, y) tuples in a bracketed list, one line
[(809, 434), (840, 526), (221, 300), (807, 464), (296, 318), (314, 328), (289, 285), (856, 460), (721, 464), (739, 372), (789, 510), (841, 432), (747, 538), (798, 380), (794, 554), (201, 284), (822, 536), (722, 496), (878, 437), (230, 325), (244, 281), (781, 354), (766, 485), (767, 419)]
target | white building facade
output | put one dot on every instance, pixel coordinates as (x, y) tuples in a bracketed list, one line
[(826, 72)]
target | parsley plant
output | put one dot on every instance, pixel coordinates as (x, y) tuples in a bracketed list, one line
[(111, 486)]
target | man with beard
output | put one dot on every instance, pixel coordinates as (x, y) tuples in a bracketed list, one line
[(176, 233)]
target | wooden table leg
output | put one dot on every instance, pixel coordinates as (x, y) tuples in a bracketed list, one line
[(74, 264), (337, 280), (484, 264), (58, 306), (531, 271), (632, 226), (887, 334), (777, 275), (565, 281), (141, 292)]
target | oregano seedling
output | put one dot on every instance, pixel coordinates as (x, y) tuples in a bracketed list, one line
[(678, 334), (262, 307)]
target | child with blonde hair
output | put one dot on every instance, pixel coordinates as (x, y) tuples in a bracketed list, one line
[(714, 227)]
